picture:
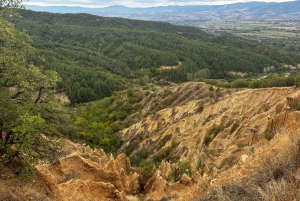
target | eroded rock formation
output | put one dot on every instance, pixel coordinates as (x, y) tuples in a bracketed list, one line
[(224, 141), (217, 135), (92, 174)]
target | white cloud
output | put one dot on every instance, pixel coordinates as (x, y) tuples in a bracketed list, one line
[(136, 3)]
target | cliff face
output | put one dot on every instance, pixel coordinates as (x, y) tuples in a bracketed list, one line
[(224, 140)]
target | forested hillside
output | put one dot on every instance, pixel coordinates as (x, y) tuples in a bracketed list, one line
[(96, 56)]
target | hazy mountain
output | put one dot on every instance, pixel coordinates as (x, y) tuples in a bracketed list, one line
[(189, 14)]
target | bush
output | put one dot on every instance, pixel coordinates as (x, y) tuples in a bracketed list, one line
[(269, 135), (147, 170), (239, 83), (216, 129), (130, 148), (234, 127), (184, 167), (296, 105), (143, 153), (161, 155), (297, 81), (207, 140)]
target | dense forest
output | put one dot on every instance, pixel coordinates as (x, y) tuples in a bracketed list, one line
[(95, 56)]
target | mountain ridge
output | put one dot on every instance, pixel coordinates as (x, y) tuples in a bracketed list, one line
[(189, 14)]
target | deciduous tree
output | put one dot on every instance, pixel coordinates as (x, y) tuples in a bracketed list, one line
[(27, 101)]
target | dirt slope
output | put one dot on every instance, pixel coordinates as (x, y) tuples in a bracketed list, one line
[(207, 134)]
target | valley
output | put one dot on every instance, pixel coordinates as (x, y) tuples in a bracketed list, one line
[(115, 109), (96, 55), (276, 33)]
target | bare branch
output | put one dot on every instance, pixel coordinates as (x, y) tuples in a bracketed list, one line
[(39, 95), (17, 95)]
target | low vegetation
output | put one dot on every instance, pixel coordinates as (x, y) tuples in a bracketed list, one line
[(214, 131), (234, 127), (98, 122), (263, 82), (276, 179)]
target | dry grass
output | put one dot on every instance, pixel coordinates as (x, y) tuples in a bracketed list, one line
[(277, 179), (12, 188), (13, 191), (279, 190)]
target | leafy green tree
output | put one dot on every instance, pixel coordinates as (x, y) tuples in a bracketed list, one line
[(239, 83), (27, 102), (201, 74), (10, 3), (7, 5)]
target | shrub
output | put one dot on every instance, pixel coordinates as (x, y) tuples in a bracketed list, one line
[(127, 108), (296, 105), (147, 170), (297, 81), (239, 83), (234, 127), (216, 129), (143, 153), (269, 135), (184, 167), (161, 155), (207, 139), (130, 148)]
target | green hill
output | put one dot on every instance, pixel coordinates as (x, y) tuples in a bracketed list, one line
[(96, 56)]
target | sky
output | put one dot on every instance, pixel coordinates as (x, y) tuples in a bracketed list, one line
[(135, 3)]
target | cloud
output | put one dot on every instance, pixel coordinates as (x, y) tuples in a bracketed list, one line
[(135, 3)]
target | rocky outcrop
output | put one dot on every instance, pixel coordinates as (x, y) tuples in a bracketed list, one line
[(92, 173), (82, 190), (224, 140), (160, 186), (214, 135)]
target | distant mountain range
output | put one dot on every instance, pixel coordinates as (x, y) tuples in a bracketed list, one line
[(189, 14)]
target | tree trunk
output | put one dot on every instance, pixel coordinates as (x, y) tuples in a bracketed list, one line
[(1, 131), (9, 138)]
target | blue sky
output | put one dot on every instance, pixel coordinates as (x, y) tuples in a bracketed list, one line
[(135, 3)]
